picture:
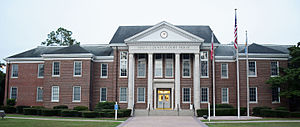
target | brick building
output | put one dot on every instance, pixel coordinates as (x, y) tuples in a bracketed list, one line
[(147, 67)]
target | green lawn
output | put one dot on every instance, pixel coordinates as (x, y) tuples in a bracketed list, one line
[(51, 123), (254, 125)]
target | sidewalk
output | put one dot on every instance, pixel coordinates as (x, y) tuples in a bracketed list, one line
[(231, 118), (64, 119), (261, 121)]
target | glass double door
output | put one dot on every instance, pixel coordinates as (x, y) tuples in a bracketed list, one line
[(163, 99)]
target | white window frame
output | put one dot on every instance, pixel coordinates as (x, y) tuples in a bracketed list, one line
[(207, 95), (277, 69), (255, 69), (53, 69), (52, 94), (137, 97), (206, 66), (101, 94), (274, 102), (37, 94), (189, 61), (155, 65), (226, 71), (125, 94), (172, 61), (227, 97), (12, 71), (39, 66), (80, 69), (74, 94), (101, 69), (138, 69), (126, 61), (190, 97), (255, 95), (11, 92)]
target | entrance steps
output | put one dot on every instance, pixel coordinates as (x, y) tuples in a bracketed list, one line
[(143, 112)]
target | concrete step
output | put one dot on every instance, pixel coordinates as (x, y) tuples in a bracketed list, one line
[(141, 112)]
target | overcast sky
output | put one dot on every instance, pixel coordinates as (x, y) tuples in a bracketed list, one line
[(24, 24)]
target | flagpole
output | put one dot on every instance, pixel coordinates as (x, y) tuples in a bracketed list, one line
[(237, 71), (214, 81), (247, 66)]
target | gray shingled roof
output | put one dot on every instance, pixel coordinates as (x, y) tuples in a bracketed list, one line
[(70, 50), (225, 50), (36, 52), (256, 48), (124, 32)]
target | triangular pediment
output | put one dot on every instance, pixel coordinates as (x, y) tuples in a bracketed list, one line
[(164, 32)]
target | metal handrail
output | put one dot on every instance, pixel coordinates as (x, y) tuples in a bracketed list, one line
[(194, 110), (148, 109), (133, 110), (178, 109)]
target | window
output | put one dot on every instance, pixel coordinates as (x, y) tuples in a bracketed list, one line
[(55, 94), (104, 70), (76, 93), (55, 68), (169, 66), (224, 95), (158, 65), (186, 95), (275, 95), (253, 94), (224, 70), (13, 92), (15, 71), (123, 63), (77, 68), (41, 70), (204, 95), (186, 66), (141, 66), (252, 69), (123, 94), (141, 94), (274, 68), (39, 94), (103, 94), (204, 64)]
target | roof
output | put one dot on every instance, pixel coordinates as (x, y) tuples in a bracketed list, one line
[(70, 50), (256, 48), (124, 32)]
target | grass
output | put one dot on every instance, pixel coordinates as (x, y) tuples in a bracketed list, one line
[(254, 125), (51, 123), (255, 119), (57, 117)]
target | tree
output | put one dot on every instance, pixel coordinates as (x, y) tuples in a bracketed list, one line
[(60, 37), (2, 84), (289, 80)]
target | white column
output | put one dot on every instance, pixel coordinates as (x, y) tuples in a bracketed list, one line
[(177, 81), (197, 81), (131, 81), (150, 85)]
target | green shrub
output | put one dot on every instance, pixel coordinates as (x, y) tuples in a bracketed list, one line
[(222, 106), (221, 112), (243, 111), (60, 107), (256, 110), (81, 108), (104, 105), (11, 102), (281, 108), (9, 109), (38, 111), (38, 107), (274, 113), (124, 112), (19, 109), (30, 111), (69, 113), (50, 112), (295, 114), (89, 114)]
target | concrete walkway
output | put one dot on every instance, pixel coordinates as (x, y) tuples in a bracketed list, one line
[(64, 119), (232, 118), (163, 121), (261, 121)]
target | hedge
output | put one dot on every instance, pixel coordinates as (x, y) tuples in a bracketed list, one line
[(50, 112), (104, 105), (30, 111), (89, 114), (221, 112), (11, 102), (124, 112), (281, 108), (19, 109), (9, 109), (69, 113), (222, 106), (295, 114), (256, 110), (81, 108), (38, 107), (274, 113), (60, 107)]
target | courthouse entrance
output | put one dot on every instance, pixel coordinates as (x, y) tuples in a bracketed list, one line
[(164, 99)]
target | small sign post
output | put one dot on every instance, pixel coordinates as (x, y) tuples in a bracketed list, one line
[(116, 111), (208, 111)]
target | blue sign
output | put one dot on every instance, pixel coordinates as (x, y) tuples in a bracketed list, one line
[(116, 107)]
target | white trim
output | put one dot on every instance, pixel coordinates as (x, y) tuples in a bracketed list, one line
[(227, 61), (126, 95), (118, 45), (264, 58), (74, 94), (52, 94), (226, 71), (25, 62), (74, 55), (104, 58), (101, 76), (11, 92), (277, 69), (12, 71), (265, 55), (201, 95), (255, 69), (68, 59), (37, 94), (53, 69), (231, 58), (101, 94), (227, 90), (38, 74), (24, 59), (104, 61), (80, 69), (121, 65), (189, 60), (190, 97), (255, 95), (206, 66), (275, 102), (137, 97)]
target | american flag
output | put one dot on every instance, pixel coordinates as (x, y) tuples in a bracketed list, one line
[(235, 33), (212, 46)]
